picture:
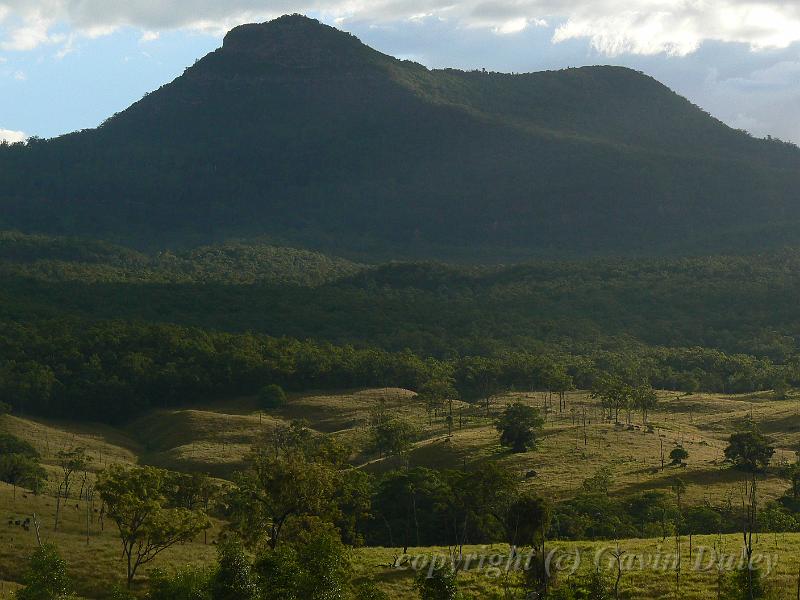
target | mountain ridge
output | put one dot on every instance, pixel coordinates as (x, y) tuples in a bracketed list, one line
[(299, 132)]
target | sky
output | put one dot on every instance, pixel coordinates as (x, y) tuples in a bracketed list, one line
[(70, 64)]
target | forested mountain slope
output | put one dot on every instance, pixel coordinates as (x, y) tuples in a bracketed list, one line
[(299, 132)]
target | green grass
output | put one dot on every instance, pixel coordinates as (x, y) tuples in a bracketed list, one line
[(638, 582), (94, 566), (216, 438)]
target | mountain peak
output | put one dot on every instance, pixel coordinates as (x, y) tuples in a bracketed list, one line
[(300, 132), (295, 40)]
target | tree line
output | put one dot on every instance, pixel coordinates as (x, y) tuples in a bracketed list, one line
[(112, 370)]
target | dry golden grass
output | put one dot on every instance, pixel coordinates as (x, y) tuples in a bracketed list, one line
[(565, 458), (216, 438), (104, 445), (200, 440)]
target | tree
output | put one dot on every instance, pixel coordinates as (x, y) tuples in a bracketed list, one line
[(678, 454), (5, 409), (393, 437), (478, 503), (526, 521), (10, 444), (794, 478), (294, 438), (314, 565), (233, 578), (70, 461), (699, 520), (26, 385), (353, 500), (702, 520), (137, 502), (407, 505), (645, 399), (776, 519), (275, 489), (479, 379), (749, 449), (781, 389), (555, 378), (21, 470), (519, 426), (189, 490), (434, 393), (614, 394), (271, 396), (679, 489), (46, 577)]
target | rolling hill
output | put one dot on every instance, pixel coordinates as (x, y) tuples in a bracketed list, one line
[(216, 437), (299, 132)]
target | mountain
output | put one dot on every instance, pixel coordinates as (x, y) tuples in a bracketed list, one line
[(299, 133)]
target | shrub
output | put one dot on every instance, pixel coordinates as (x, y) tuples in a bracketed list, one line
[(272, 396), (737, 585), (437, 584), (315, 565), (120, 593), (46, 577), (367, 590), (189, 583), (678, 455), (519, 426), (233, 579), (10, 444)]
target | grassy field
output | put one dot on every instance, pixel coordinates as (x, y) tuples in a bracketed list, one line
[(217, 437), (648, 566)]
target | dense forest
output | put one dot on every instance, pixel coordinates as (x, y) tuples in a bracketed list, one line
[(737, 305), (84, 322)]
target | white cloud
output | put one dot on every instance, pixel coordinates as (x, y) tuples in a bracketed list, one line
[(31, 32), (7, 135), (675, 27), (679, 27), (512, 26), (20, 75), (149, 36)]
